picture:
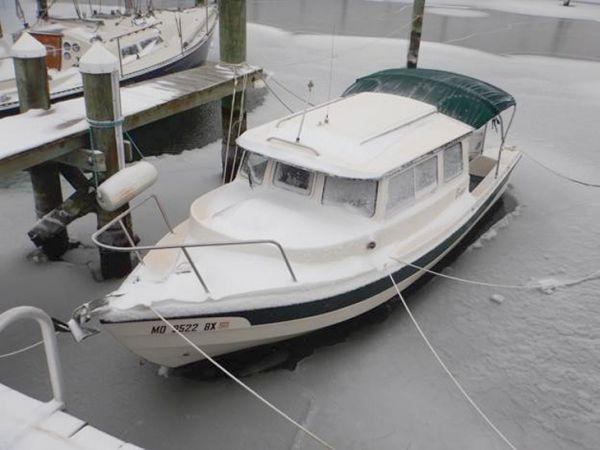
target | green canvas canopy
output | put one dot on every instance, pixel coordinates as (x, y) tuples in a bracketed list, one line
[(467, 99)]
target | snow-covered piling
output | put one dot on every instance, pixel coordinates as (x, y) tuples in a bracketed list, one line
[(100, 72), (232, 48), (29, 58)]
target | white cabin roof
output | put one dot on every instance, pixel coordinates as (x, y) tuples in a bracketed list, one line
[(368, 135)]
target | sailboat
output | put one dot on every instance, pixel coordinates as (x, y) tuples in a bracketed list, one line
[(147, 42)]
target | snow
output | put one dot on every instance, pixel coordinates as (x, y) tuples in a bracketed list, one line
[(456, 11), (367, 136), (531, 363), (583, 10), (98, 60), (22, 132), (28, 47)]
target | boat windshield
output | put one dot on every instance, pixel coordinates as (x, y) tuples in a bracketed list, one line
[(293, 178), (356, 195), (254, 167)]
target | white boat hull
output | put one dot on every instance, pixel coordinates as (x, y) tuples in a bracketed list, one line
[(218, 335)]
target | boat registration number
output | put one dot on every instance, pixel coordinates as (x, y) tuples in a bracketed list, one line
[(218, 324)]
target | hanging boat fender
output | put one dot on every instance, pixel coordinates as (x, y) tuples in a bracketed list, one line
[(125, 185)]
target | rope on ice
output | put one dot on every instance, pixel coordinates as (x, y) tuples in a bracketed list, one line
[(464, 280), (560, 175), (241, 383), (24, 349), (452, 377)]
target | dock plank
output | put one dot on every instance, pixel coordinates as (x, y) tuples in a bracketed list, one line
[(38, 136), (29, 424)]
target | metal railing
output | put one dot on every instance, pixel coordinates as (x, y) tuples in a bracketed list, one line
[(50, 345), (183, 247)]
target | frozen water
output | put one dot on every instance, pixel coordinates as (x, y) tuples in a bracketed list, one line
[(532, 363)]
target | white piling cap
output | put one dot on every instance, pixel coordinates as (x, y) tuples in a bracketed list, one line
[(98, 60), (28, 47)]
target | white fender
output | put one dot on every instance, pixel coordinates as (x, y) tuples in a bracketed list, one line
[(125, 185)]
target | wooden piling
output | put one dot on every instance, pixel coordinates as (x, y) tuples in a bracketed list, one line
[(100, 73), (415, 33), (29, 58), (232, 47)]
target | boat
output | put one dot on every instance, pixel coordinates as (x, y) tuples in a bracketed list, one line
[(327, 203), (147, 43)]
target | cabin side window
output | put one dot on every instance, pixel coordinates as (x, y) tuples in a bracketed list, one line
[(453, 162), (356, 195), (426, 176), (401, 190), (129, 50), (293, 178), (254, 167)]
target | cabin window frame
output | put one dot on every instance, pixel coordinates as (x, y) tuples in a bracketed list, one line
[(356, 210), (458, 144), (394, 209), (420, 193), (265, 176), (290, 188)]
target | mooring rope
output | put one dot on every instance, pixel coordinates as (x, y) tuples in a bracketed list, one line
[(452, 377), (240, 123), (464, 280), (100, 124), (134, 145), (290, 110), (239, 382), (235, 82), (561, 175), (24, 349)]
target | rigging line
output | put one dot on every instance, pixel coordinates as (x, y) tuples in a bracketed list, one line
[(240, 382), (135, 146), (240, 121), (560, 175), (452, 377), (289, 91), (24, 349), (464, 280), (276, 96), (353, 50), (235, 81)]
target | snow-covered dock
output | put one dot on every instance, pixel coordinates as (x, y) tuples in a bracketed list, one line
[(30, 424), (38, 136)]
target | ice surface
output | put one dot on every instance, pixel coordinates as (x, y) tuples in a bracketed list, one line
[(531, 363), (586, 10)]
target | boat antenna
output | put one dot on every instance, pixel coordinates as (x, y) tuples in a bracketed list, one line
[(330, 74), (310, 86)]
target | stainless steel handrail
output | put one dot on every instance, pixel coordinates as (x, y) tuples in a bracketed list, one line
[(50, 345), (183, 247)]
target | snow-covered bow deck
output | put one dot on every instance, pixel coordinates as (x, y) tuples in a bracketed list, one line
[(37, 136)]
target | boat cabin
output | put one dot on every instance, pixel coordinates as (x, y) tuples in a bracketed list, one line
[(372, 152)]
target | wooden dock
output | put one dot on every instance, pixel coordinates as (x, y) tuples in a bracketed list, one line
[(37, 136), (29, 424)]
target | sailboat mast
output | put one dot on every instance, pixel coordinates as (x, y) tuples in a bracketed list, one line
[(42, 9)]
